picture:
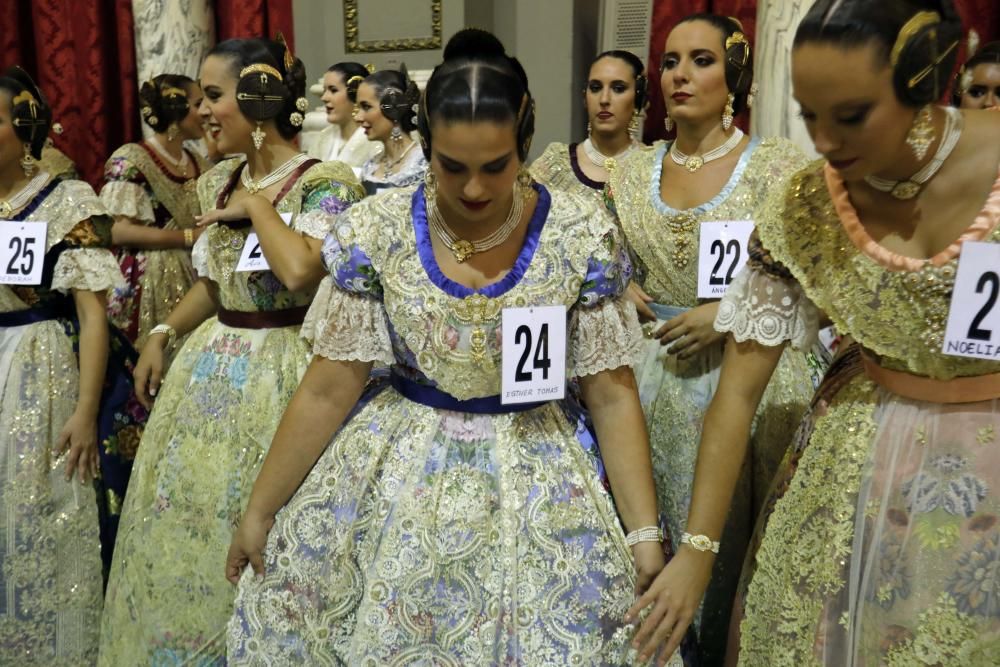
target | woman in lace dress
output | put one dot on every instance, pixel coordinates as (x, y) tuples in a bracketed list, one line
[(150, 190), (345, 140), (615, 97), (663, 208), (226, 388), (59, 404), (439, 524), (882, 545), (386, 101)]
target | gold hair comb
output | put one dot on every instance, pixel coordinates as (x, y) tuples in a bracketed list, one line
[(262, 68)]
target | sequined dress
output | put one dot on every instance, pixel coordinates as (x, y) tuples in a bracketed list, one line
[(883, 544), (451, 536), (675, 393), (558, 167), (50, 554), (140, 187), (211, 425)]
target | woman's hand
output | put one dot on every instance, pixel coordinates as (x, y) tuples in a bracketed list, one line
[(79, 435), (248, 546), (239, 210), (638, 296), (649, 562), (674, 597), (691, 332), (148, 373)]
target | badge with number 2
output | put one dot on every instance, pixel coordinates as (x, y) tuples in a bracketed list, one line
[(534, 354), (974, 316), (722, 253), (252, 258), (22, 252)]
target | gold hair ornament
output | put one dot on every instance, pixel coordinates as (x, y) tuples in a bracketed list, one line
[(289, 58), (739, 38), (262, 68)]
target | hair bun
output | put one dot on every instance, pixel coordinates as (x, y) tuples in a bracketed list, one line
[(473, 43)]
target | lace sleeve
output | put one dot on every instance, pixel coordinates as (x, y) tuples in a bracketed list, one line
[(603, 338), (199, 254), (89, 269), (768, 309), (347, 326), (127, 199)]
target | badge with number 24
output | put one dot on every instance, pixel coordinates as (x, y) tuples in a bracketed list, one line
[(533, 354)]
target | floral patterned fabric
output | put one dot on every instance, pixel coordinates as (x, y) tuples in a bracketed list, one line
[(50, 556), (881, 546), (675, 393), (140, 187), (460, 538), (557, 167), (211, 425)]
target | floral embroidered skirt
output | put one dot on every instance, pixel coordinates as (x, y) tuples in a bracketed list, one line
[(430, 536), (675, 394), (882, 546), (213, 420)]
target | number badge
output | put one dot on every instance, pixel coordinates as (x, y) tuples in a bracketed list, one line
[(534, 354), (722, 253), (974, 316), (252, 258), (22, 252)]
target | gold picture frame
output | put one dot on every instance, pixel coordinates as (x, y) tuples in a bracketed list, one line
[(352, 44)]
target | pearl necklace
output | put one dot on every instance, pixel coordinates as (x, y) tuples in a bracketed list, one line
[(253, 187), (606, 162), (910, 187), (695, 162), (180, 164), (462, 249), (23, 196)]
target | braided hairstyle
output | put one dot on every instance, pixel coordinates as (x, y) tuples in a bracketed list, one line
[(30, 114), (737, 55), (258, 87), (917, 38), (396, 95), (478, 81), (164, 100), (353, 74), (632, 60)]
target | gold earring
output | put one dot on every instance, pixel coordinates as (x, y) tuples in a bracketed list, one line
[(752, 95), (921, 135), (524, 182), (590, 128), (633, 124), (172, 132), (727, 113), (28, 163), (258, 136), (668, 122), (430, 185)]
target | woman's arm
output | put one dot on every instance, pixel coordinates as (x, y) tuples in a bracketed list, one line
[(677, 591), (127, 233), (328, 392), (196, 307), (80, 431)]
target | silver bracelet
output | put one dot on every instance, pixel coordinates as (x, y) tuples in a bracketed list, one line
[(166, 329), (647, 534), (700, 542)]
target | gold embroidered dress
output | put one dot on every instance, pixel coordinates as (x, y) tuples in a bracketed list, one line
[(140, 187), (558, 167), (883, 547), (675, 393), (50, 554), (211, 425), (463, 534)]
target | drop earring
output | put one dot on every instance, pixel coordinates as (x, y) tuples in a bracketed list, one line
[(430, 185), (921, 135), (727, 113), (633, 124), (258, 136), (590, 128), (28, 163), (668, 122), (752, 95), (172, 131), (396, 135)]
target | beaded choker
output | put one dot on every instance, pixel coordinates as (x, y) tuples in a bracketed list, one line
[(695, 162)]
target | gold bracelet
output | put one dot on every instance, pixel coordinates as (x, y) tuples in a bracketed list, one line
[(188, 238), (700, 542)]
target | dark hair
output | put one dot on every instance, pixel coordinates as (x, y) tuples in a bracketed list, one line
[(478, 81), (353, 74), (30, 114), (632, 60), (164, 100), (989, 54), (922, 56), (396, 95), (738, 57), (292, 86)]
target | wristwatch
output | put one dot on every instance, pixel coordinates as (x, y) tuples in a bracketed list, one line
[(700, 542)]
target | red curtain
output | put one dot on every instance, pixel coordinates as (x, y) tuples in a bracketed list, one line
[(983, 16), (666, 14), (253, 18), (82, 56)]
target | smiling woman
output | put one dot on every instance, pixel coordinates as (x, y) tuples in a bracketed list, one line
[(345, 140)]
